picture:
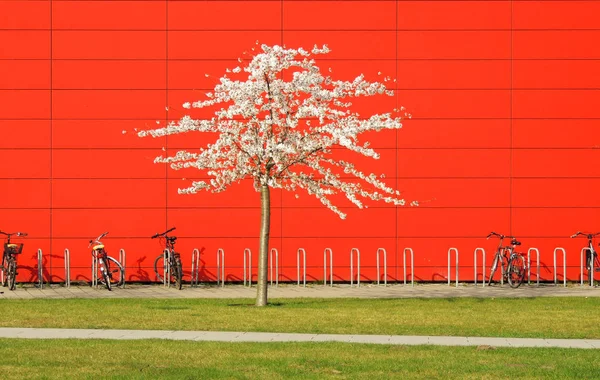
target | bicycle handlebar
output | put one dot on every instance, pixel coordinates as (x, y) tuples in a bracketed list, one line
[(161, 234), (97, 239), (589, 236), (499, 236), (14, 233)]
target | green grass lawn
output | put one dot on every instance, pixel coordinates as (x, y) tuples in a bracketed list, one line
[(71, 359), (522, 317)]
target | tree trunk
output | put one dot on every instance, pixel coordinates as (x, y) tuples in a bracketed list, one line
[(263, 254)]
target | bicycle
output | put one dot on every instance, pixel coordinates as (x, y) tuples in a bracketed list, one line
[(170, 265), (512, 264), (105, 266), (9, 259), (591, 256)]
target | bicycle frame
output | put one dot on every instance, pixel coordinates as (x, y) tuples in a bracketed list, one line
[(505, 257), (9, 258), (171, 260), (592, 262)]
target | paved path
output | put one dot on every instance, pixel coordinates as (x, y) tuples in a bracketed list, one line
[(310, 291), (228, 336)]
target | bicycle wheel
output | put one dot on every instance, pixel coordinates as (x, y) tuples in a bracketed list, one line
[(115, 271), (177, 270), (493, 268), (4, 271), (12, 275), (106, 278), (516, 271)]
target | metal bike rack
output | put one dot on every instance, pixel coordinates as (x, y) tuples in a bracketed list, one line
[(67, 268), (303, 267), (166, 269), (195, 268), (122, 258), (40, 258), (248, 267), (384, 252), (352, 267), (327, 250), (94, 270), (412, 266), (475, 265), (591, 271), (564, 253), (456, 260), (221, 267), (537, 256), (276, 266)]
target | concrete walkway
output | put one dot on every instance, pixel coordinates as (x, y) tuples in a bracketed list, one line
[(227, 336), (310, 291)]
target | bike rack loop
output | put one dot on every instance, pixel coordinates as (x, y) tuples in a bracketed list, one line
[(384, 252), (122, 262), (591, 271), (482, 265), (195, 268), (221, 266), (276, 266), (94, 270), (327, 250), (412, 266), (166, 269), (67, 268), (352, 267), (564, 253), (537, 256), (40, 259), (248, 266), (303, 267), (456, 259)]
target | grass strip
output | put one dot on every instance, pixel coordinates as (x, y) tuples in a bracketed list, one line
[(503, 317), (67, 359)]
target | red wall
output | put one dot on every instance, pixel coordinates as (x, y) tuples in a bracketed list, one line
[(504, 134)]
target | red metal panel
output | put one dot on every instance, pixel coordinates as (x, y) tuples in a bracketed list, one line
[(24, 14), (555, 44), (232, 224), (218, 44), (557, 133), (25, 133), (448, 163), (553, 222), (454, 15), (25, 163), (556, 74), (556, 104), (103, 134), (35, 222), (24, 74), (116, 193), (25, 104), (24, 193), (109, 74), (456, 74), (121, 223), (108, 104), (346, 44), (454, 44), (191, 74), (570, 14), (24, 44), (336, 15), (556, 163), (115, 15), (556, 192), (105, 163), (468, 104), (224, 15), (454, 133), (108, 44)]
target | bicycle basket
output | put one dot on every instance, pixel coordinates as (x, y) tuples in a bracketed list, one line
[(13, 249)]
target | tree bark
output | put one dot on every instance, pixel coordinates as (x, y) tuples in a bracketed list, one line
[(263, 254)]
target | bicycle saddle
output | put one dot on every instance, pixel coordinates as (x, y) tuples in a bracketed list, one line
[(515, 242)]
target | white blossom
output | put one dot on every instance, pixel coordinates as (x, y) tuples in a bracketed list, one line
[(281, 130)]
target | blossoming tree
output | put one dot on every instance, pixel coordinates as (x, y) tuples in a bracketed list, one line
[(278, 126)]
